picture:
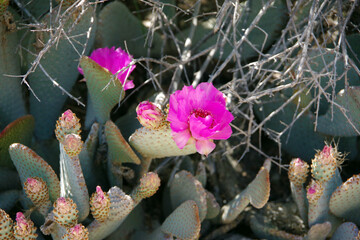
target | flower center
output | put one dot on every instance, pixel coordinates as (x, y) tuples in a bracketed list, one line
[(201, 113)]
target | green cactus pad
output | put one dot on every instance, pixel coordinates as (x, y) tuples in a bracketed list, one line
[(184, 222), (300, 140), (186, 187), (73, 183), (354, 48), (86, 157), (8, 199), (29, 164), (105, 90), (158, 143), (260, 40), (346, 231), (201, 173), (12, 105), (213, 207), (335, 123), (119, 151), (20, 131), (61, 63), (345, 200), (119, 25), (256, 193), (319, 231)]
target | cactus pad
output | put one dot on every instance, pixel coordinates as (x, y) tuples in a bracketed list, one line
[(104, 88), (158, 143), (186, 187), (213, 207), (19, 131), (335, 122), (184, 222), (345, 200), (119, 151), (346, 231), (29, 164), (257, 193)]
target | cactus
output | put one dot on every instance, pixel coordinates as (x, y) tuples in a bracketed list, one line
[(152, 83)]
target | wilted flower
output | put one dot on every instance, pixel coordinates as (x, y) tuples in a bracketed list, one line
[(199, 115), (149, 115), (114, 60)]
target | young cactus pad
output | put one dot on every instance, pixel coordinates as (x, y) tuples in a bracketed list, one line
[(29, 164), (256, 193)]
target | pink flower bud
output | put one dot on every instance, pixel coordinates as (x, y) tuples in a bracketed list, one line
[(24, 227), (149, 115), (67, 123), (72, 144), (36, 189), (298, 171), (78, 232), (65, 212), (100, 204)]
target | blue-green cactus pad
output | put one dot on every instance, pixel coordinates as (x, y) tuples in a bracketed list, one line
[(29, 164), (186, 187), (61, 64), (118, 25), (12, 105), (183, 222), (345, 200), (346, 231), (338, 123)]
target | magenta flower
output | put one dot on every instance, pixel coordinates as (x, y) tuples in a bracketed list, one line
[(199, 115), (114, 60)]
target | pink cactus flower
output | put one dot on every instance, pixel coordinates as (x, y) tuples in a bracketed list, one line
[(199, 116), (149, 115), (114, 60)]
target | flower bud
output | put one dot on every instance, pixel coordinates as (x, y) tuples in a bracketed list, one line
[(65, 212), (298, 171), (325, 163), (36, 189), (149, 115), (148, 186), (100, 205), (78, 232), (24, 228), (67, 123), (72, 144)]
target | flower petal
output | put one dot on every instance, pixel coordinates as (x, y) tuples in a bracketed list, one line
[(181, 138), (205, 146)]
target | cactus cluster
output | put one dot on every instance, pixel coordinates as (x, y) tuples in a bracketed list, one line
[(132, 88)]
